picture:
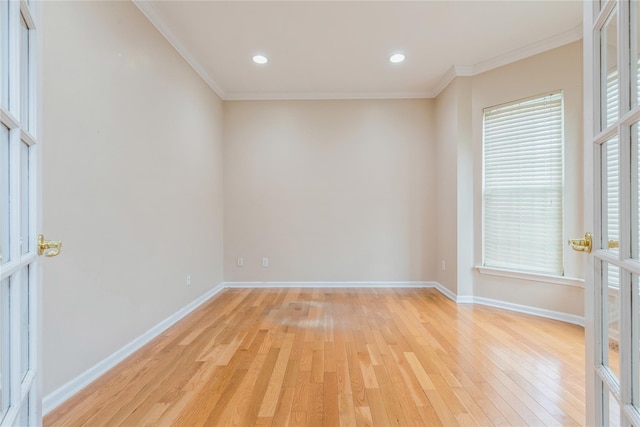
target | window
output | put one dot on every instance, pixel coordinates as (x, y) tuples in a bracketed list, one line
[(522, 185)]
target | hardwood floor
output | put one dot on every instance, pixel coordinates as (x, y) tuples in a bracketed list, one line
[(343, 357)]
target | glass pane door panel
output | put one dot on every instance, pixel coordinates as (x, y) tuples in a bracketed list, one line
[(612, 411), (4, 390), (24, 323), (609, 71), (24, 196), (24, 74), (634, 74), (635, 333), (5, 253), (611, 319), (4, 54), (19, 379), (610, 193), (5, 378), (635, 191), (24, 412)]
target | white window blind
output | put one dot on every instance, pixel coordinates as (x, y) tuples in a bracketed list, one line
[(522, 192), (612, 190), (611, 99)]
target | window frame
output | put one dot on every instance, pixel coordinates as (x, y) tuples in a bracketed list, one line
[(558, 277)]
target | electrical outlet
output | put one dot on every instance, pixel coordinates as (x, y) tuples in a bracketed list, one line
[(188, 280), (444, 265), (265, 262), (240, 262)]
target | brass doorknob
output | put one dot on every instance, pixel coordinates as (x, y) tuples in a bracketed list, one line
[(48, 248), (581, 245)]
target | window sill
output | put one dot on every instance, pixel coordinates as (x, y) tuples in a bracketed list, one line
[(556, 280)]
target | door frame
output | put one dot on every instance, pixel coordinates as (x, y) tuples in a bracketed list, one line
[(25, 381), (599, 379), (589, 88)]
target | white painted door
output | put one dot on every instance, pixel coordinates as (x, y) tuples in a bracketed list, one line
[(612, 134), (20, 284)]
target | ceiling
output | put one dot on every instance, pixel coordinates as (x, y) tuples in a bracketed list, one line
[(340, 49)]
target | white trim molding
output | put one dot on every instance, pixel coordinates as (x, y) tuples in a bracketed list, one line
[(446, 292), (464, 299), (150, 13), (375, 285), (530, 50), (450, 75), (508, 58), (512, 274), (59, 396), (332, 285), (525, 309)]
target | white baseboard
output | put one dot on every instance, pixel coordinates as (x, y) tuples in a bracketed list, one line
[(525, 309), (450, 294), (331, 284), (445, 291), (540, 312), (57, 397), (464, 299), (426, 284)]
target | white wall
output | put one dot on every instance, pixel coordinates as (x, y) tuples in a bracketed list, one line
[(132, 150), (447, 179), (455, 185), (465, 186), (330, 190)]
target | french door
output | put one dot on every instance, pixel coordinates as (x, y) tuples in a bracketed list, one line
[(20, 396), (612, 133)]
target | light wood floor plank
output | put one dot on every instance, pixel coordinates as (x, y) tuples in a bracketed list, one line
[(343, 357), (330, 414)]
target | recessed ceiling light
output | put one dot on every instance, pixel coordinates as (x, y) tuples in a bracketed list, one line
[(396, 58), (260, 59)]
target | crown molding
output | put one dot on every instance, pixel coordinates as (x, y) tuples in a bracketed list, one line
[(529, 50), (508, 58), (271, 96), (453, 72), (150, 13)]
